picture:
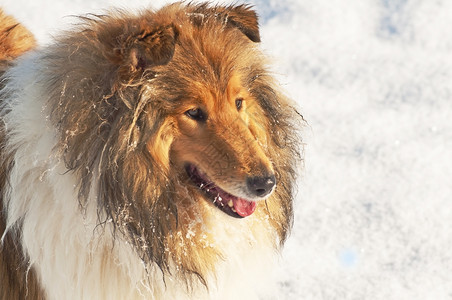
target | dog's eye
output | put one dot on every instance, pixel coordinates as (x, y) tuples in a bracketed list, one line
[(238, 103), (196, 114)]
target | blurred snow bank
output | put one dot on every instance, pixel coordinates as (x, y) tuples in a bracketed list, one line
[(373, 79)]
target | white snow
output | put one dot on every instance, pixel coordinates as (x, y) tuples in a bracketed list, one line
[(374, 80)]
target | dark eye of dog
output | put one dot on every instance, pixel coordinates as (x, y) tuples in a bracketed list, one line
[(238, 103), (196, 114)]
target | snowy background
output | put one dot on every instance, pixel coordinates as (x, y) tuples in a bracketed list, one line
[(374, 80)]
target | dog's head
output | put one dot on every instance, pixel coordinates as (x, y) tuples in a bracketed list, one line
[(170, 114)]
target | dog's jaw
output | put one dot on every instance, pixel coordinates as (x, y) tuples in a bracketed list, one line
[(232, 205)]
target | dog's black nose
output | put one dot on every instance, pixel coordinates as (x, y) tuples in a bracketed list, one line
[(261, 186)]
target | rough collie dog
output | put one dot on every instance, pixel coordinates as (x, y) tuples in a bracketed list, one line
[(145, 156)]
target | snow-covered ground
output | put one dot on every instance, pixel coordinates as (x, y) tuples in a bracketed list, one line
[(374, 80)]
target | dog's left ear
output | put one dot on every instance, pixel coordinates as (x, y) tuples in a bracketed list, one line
[(242, 17), (245, 19)]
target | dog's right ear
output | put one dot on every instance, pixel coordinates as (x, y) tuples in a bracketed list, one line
[(137, 47), (151, 47)]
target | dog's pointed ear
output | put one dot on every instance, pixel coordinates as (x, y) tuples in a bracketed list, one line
[(242, 17), (152, 47), (136, 48), (246, 20)]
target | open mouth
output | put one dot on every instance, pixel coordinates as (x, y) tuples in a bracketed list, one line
[(229, 204)]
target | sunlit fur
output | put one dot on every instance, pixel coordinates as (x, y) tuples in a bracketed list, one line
[(15, 39), (95, 139)]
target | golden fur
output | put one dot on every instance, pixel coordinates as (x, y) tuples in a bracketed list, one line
[(15, 39), (119, 87)]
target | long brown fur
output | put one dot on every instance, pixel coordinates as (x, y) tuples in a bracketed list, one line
[(118, 87)]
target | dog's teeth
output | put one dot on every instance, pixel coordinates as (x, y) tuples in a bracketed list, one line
[(230, 203), (233, 210)]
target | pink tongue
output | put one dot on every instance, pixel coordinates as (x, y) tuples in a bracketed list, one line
[(243, 207)]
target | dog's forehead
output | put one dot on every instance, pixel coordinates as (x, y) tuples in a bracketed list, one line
[(208, 86), (217, 66)]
